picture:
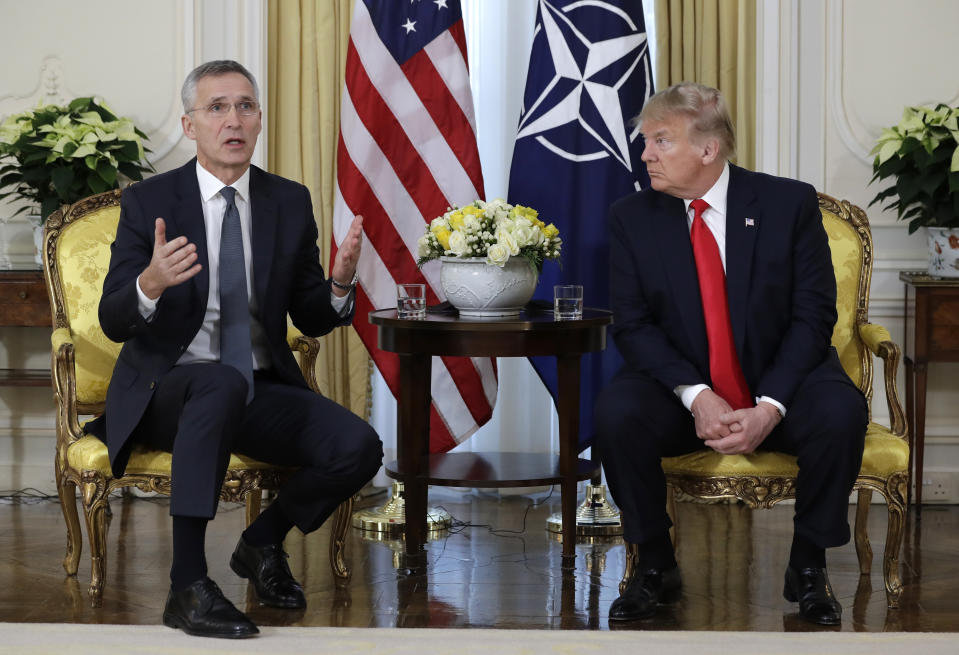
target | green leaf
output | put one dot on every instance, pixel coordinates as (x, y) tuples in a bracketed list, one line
[(79, 105), (888, 149), (34, 176), (953, 184), (107, 173), (48, 206), (84, 150), (954, 165), (96, 184), (34, 157), (62, 179)]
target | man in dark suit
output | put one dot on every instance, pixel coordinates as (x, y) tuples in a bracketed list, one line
[(208, 262), (725, 299)]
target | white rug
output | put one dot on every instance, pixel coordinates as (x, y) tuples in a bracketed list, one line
[(79, 639)]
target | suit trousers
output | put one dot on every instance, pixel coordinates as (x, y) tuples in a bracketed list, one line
[(638, 421), (199, 414)]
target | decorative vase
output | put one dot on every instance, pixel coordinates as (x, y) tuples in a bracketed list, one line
[(483, 290), (37, 238), (943, 251)]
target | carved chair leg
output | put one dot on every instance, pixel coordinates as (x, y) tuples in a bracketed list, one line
[(632, 555), (94, 511), (68, 505), (863, 547), (341, 524), (890, 561), (253, 500)]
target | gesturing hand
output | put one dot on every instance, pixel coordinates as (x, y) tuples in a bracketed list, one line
[(172, 263), (347, 255)]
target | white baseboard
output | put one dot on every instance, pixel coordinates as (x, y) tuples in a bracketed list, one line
[(18, 477)]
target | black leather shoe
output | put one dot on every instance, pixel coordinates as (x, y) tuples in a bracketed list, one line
[(811, 588), (202, 610), (266, 568), (645, 592)]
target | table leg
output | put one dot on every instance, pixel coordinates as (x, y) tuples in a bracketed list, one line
[(412, 444), (568, 368), (910, 424), (920, 420)]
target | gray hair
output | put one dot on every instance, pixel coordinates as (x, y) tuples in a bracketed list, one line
[(212, 68), (705, 108)]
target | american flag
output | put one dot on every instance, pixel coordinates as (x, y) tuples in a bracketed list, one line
[(407, 151)]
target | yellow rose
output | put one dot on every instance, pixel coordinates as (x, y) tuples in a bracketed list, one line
[(551, 231), (442, 235), (456, 220), (525, 212)]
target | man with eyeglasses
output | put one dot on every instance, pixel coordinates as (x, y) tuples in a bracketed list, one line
[(208, 262)]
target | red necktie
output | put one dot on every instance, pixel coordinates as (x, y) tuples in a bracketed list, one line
[(724, 370)]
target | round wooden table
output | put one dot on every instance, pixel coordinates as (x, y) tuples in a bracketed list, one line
[(417, 341)]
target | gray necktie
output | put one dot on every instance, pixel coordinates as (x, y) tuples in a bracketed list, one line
[(236, 348)]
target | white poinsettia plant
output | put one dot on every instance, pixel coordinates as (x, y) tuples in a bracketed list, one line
[(54, 155), (495, 230)]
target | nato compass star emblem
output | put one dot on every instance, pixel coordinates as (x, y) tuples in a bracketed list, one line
[(589, 71)]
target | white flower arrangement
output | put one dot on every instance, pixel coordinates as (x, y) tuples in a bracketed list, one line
[(495, 230)]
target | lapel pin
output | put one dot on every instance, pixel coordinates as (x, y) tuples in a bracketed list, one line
[(750, 222)]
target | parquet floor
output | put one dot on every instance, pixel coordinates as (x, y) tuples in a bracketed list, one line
[(502, 570)]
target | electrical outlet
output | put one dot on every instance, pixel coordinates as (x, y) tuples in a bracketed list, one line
[(940, 487)]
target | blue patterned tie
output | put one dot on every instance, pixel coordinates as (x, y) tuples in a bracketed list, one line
[(236, 348)]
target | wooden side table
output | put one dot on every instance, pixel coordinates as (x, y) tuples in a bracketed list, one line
[(24, 303), (416, 341), (931, 336)]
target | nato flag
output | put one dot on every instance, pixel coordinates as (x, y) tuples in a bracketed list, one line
[(577, 150)]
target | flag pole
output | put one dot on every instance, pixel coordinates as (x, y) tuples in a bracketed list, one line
[(596, 516)]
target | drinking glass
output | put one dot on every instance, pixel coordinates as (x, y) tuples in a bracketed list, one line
[(411, 301), (567, 302)]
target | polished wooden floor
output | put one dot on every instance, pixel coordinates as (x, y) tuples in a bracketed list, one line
[(502, 570)]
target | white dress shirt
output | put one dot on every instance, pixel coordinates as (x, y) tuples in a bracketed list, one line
[(714, 217), (205, 346)]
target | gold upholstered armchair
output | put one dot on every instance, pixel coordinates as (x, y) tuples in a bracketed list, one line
[(75, 260), (763, 479)]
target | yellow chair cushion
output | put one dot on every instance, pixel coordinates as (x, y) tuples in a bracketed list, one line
[(884, 454), (83, 257), (90, 454)]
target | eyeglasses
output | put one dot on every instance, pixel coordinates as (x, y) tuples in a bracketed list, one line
[(243, 108)]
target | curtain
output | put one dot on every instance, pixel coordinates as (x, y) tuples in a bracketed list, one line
[(713, 42), (307, 43)]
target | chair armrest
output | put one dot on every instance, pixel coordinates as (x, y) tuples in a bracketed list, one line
[(63, 372), (880, 343), (309, 349), (59, 337)]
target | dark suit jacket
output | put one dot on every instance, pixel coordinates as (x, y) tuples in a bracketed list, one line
[(287, 279), (779, 278)]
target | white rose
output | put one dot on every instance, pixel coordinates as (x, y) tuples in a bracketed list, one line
[(523, 233), (504, 237), (458, 243), (471, 223), (497, 254), (537, 238)]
